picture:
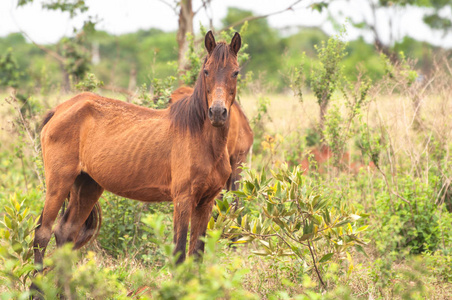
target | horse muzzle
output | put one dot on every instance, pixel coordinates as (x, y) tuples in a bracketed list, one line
[(218, 115)]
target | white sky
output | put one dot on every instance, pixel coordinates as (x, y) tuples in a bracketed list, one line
[(123, 16)]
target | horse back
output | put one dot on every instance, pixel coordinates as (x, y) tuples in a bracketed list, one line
[(180, 93)]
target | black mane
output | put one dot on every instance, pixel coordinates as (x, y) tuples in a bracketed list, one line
[(47, 118)]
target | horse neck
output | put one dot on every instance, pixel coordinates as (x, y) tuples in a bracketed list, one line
[(216, 137)]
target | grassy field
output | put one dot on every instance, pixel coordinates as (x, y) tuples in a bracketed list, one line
[(404, 201)]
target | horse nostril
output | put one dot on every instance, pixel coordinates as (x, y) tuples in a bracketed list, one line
[(225, 113), (210, 113)]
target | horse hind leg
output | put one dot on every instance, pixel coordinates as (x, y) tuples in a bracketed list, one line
[(82, 219), (239, 159), (58, 188), (233, 178)]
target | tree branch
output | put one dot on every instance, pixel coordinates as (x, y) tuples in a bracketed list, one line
[(315, 266), (252, 18), (52, 53), (173, 8), (204, 5)]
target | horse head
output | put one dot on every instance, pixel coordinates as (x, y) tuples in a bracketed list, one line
[(220, 72)]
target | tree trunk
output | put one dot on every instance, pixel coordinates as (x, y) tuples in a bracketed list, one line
[(66, 79), (323, 108), (133, 78), (185, 26), (386, 51)]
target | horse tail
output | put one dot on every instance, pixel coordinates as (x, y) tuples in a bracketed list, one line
[(47, 117), (90, 228)]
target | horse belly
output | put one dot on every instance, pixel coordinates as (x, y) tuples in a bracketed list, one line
[(147, 194), (148, 190), (126, 181)]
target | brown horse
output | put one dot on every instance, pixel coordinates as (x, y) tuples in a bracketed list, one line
[(91, 144), (240, 136)]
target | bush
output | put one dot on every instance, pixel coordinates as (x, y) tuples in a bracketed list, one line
[(407, 221), (207, 280), (16, 248), (440, 264), (83, 281), (122, 233), (296, 218)]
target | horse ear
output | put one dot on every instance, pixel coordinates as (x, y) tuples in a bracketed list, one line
[(209, 42), (236, 43)]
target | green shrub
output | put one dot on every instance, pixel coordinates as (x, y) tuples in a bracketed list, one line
[(89, 83), (84, 280), (207, 280), (122, 232), (440, 264), (295, 218), (405, 282), (9, 70), (409, 220), (161, 93), (16, 248)]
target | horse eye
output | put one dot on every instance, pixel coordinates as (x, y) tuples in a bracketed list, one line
[(206, 72), (235, 74)]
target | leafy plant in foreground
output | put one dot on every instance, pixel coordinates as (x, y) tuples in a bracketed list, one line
[(295, 219), (77, 281), (195, 279), (16, 247)]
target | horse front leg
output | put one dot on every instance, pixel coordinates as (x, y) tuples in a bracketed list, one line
[(183, 207), (199, 220)]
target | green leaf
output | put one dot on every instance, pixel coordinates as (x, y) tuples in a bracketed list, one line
[(9, 211), (243, 240), (17, 206), (26, 269), (265, 243), (319, 6), (261, 252), (326, 216), (360, 249), (239, 193), (250, 187), (279, 222), (211, 223), (244, 221), (304, 237), (7, 222), (285, 253), (317, 219), (342, 223), (362, 228), (326, 257), (253, 230)]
